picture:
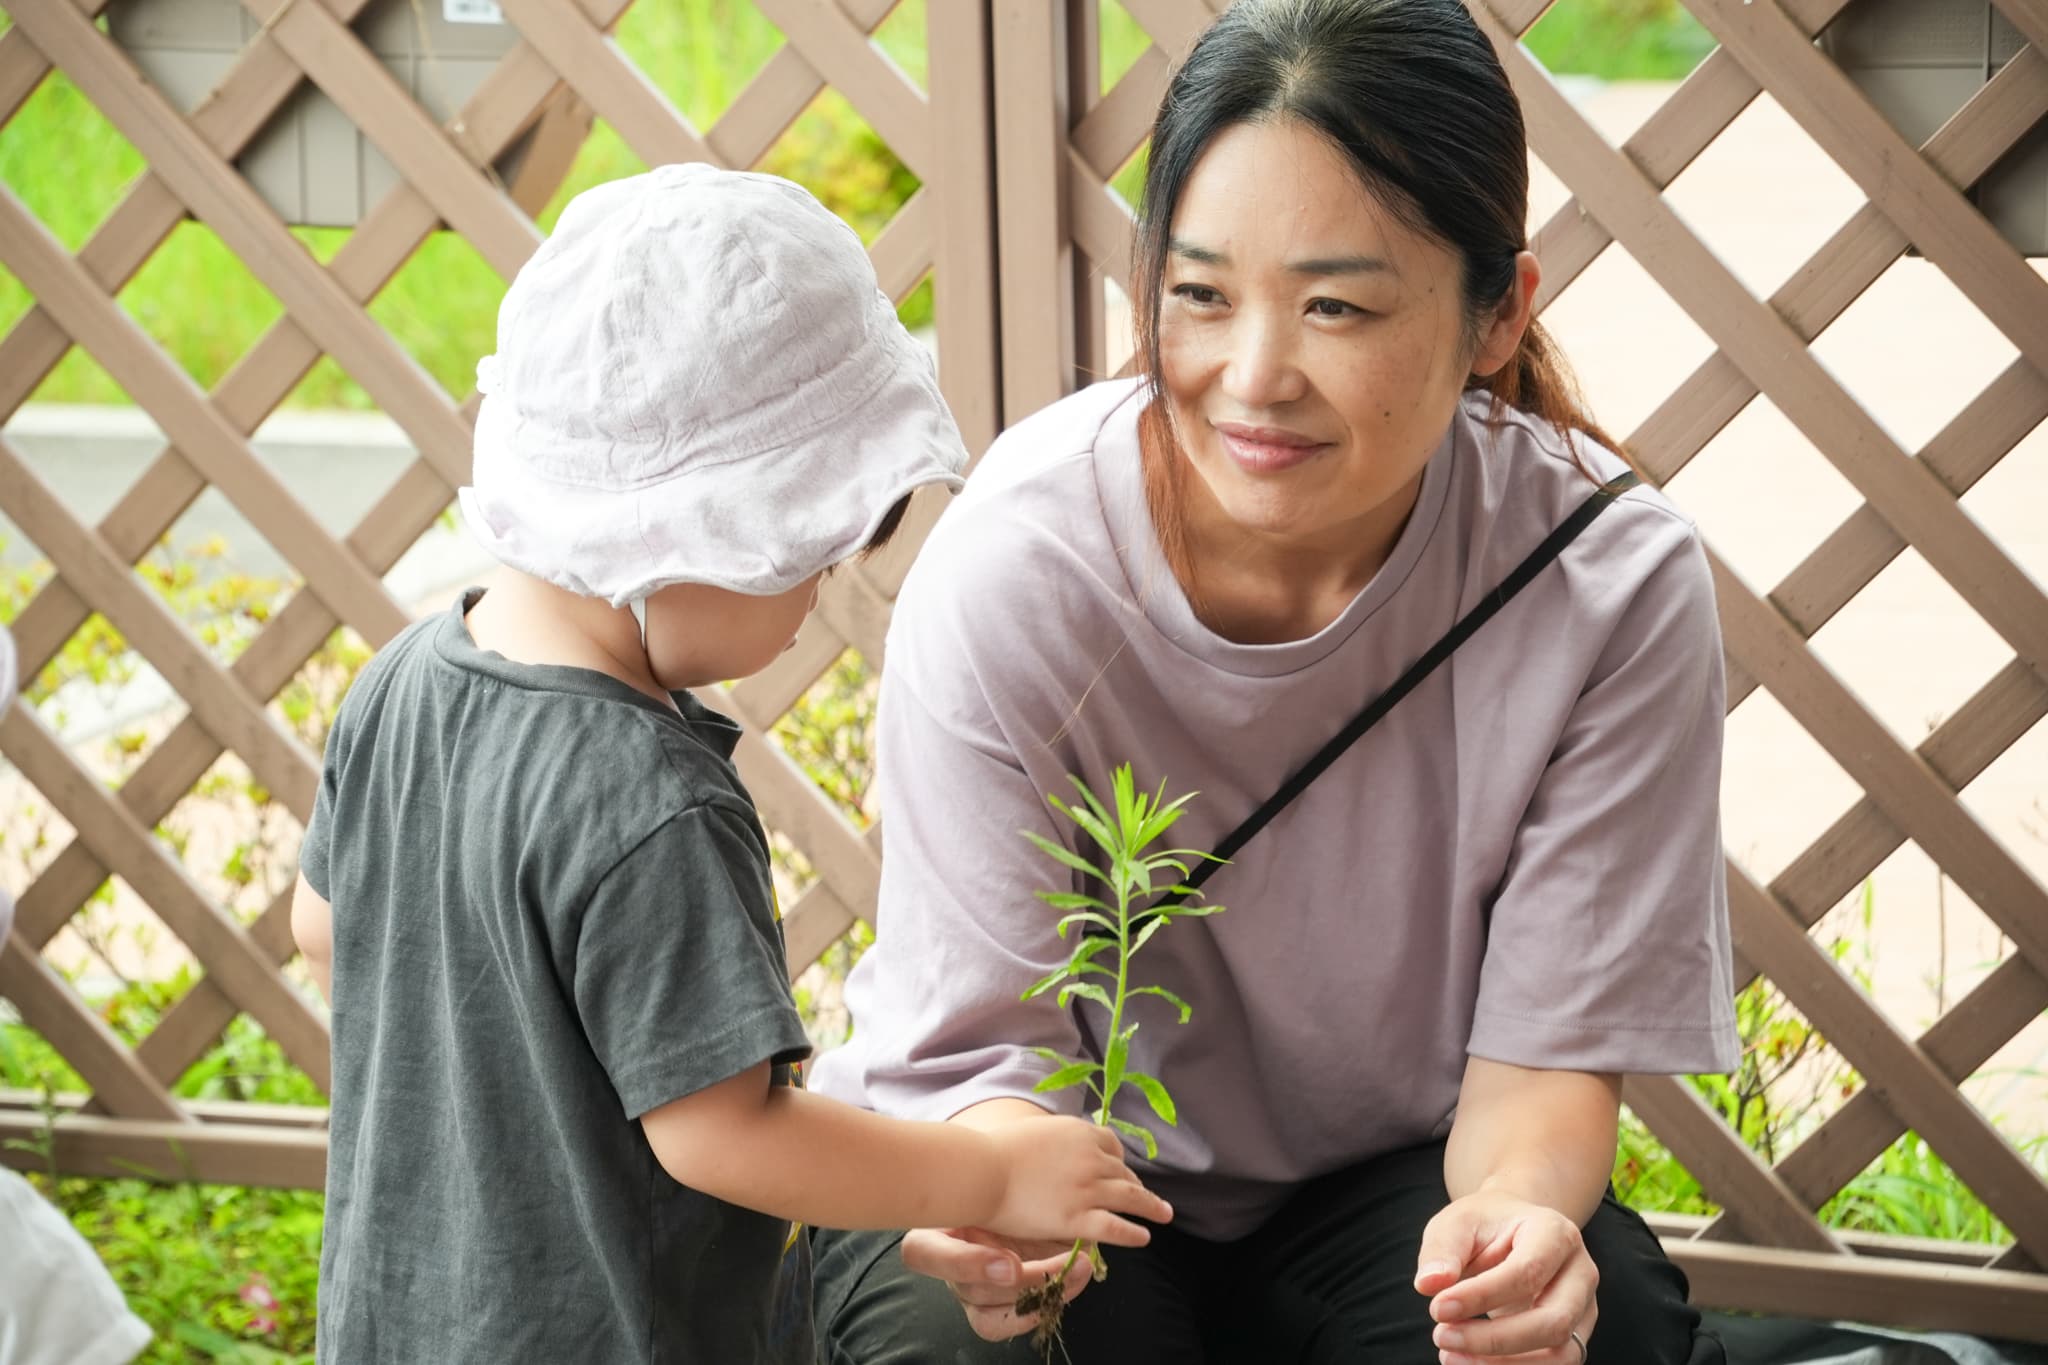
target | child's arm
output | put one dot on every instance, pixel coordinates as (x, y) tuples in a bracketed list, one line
[(313, 928), (795, 1155)]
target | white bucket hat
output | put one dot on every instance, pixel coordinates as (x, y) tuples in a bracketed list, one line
[(699, 381)]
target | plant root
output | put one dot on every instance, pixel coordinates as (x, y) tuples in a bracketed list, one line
[(1048, 1304)]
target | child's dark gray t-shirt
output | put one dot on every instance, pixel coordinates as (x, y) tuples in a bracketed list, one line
[(552, 914)]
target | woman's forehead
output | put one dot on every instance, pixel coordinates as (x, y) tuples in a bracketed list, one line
[(1282, 193)]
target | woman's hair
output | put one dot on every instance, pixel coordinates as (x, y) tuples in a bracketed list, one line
[(1412, 93)]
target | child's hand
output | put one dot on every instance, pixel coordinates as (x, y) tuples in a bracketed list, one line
[(1066, 1179)]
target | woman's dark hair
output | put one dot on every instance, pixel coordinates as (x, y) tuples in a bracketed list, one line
[(1412, 93)]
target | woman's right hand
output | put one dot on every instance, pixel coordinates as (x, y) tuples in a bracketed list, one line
[(1066, 1178), (985, 1270)]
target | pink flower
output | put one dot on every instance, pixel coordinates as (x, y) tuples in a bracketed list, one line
[(256, 1293)]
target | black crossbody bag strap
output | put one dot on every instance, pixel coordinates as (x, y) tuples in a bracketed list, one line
[(1375, 710)]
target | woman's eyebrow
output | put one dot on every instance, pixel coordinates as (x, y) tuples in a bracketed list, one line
[(1316, 266), (1342, 265)]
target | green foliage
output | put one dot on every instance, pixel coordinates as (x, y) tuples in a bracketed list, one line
[(220, 1273), (1133, 877), (1620, 40), (71, 167), (1784, 1085)]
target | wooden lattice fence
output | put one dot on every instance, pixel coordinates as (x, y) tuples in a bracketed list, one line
[(1015, 144)]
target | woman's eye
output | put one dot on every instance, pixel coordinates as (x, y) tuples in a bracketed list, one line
[(1197, 293), (1330, 308)]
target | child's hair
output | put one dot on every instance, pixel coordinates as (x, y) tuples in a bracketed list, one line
[(891, 523)]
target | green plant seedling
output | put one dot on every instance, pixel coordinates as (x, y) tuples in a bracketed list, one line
[(1112, 928)]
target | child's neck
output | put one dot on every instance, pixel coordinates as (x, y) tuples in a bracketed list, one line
[(531, 621)]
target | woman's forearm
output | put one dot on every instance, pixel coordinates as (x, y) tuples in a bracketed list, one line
[(1544, 1136)]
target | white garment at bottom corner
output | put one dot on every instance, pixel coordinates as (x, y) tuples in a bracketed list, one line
[(58, 1305)]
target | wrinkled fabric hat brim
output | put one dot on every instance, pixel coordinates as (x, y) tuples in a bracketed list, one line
[(755, 525)]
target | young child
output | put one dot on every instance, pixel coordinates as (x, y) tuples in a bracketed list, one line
[(566, 1121)]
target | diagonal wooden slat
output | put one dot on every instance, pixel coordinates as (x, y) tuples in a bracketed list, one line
[(1110, 132), (1959, 1042), (1852, 259), (1856, 551), (216, 938), (219, 197), (1905, 1077), (177, 404), (1173, 26), (278, 651), (792, 803), (779, 92), (253, 88), (902, 253), (1910, 792), (196, 1022), (23, 66), (1100, 222), (1753, 1195), (336, 60), (228, 712), (820, 917), (386, 237), (381, 243), (607, 79), (1960, 748), (1929, 210), (2030, 17), (50, 1007), (881, 94), (1682, 127), (1775, 358)]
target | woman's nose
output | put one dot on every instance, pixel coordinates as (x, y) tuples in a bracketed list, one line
[(1263, 368)]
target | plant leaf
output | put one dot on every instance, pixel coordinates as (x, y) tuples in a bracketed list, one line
[(1194, 910), (1155, 1093), (1047, 982), (1094, 802), (1086, 917), (1119, 1053), (1073, 1073), (1069, 900), (1056, 1058), (1094, 828), (1151, 927), (1185, 1008), (1138, 1131), (1087, 990), (1060, 853)]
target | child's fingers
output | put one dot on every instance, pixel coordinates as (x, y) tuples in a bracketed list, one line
[(1103, 1226), (1128, 1196)]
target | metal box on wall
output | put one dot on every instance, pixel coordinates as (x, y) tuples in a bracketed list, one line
[(1919, 61), (309, 161)]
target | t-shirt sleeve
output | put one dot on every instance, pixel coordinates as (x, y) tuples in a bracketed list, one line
[(938, 1025), (679, 977), (1608, 947), (313, 848)]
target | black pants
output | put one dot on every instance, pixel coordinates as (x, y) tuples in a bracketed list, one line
[(1329, 1280)]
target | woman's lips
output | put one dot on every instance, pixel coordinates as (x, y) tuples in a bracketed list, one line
[(1267, 450)]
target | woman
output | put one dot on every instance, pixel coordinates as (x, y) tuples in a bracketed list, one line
[(1398, 1091)]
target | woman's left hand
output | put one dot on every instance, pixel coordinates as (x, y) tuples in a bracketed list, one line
[(1507, 1278)]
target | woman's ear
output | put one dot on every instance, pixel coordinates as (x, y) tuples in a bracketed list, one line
[(1497, 342)]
